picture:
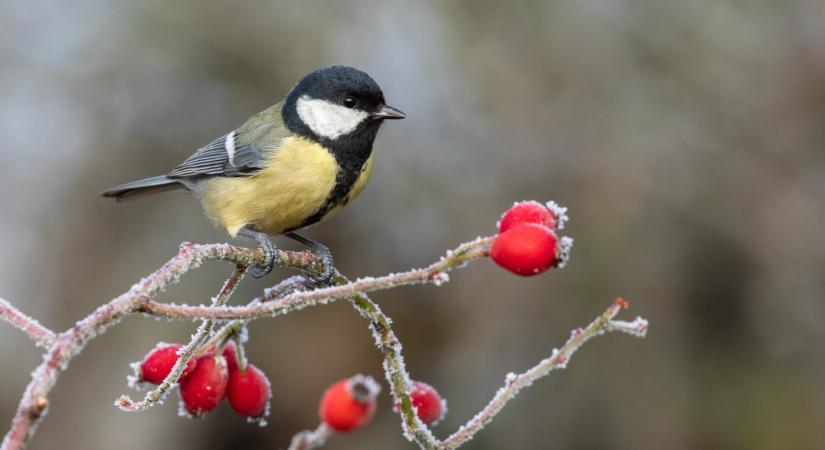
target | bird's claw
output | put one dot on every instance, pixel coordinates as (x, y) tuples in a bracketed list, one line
[(324, 279), (270, 252), (260, 270)]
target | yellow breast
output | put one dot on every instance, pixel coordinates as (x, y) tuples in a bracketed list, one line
[(292, 187)]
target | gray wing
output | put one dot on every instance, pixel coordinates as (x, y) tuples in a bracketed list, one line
[(224, 157), (239, 153)]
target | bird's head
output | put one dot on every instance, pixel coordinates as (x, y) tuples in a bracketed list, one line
[(335, 102)]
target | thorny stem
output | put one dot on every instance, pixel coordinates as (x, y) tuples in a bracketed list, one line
[(284, 298), (558, 360), (434, 273)]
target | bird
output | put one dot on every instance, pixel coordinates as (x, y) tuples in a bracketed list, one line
[(288, 167)]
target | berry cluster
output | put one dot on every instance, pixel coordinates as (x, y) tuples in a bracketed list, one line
[(210, 378), (527, 243)]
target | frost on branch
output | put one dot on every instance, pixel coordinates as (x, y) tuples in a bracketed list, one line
[(531, 247)]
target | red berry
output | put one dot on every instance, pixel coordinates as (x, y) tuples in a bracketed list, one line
[(349, 404), (229, 354), (159, 362), (427, 402), (526, 249), (527, 212), (248, 391), (205, 387)]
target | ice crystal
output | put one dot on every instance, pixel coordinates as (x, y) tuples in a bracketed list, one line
[(440, 278), (565, 245), (560, 212)]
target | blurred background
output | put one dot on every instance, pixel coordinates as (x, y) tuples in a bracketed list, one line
[(687, 138)]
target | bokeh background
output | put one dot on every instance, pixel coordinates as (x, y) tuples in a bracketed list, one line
[(687, 138)]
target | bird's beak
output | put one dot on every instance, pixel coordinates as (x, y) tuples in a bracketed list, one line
[(388, 112)]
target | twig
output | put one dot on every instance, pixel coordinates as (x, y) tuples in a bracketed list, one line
[(558, 360), (41, 335), (309, 440), (435, 273), (285, 287)]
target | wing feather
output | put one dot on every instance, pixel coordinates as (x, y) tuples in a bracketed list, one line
[(249, 150)]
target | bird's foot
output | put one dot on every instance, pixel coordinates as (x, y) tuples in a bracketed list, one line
[(259, 270), (321, 251), (269, 248), (324, 279)]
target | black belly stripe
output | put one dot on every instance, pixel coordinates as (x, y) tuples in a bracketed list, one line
[(343, 185), (348, 174), (351, 152)]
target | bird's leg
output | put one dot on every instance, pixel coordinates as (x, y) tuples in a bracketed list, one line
[(321, 251), (265, 241)]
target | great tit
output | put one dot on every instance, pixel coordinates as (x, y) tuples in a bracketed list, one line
[(288, 167)]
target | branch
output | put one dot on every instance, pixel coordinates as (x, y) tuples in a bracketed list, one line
[(65, 346), (400, 385), (558, 360), (288, 296), (398, 377), (435, 273), (41, 335)]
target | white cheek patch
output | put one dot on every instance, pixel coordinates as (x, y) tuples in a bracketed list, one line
[(326, 119)]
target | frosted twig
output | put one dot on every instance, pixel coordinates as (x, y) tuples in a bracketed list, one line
[(558, 360), (309, 440), (285, 287), (41, 335), (395, 371), (434, 273)]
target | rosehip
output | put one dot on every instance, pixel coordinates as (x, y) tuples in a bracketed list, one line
[(248, 391), (205, 387), (527, 212), (159, 362), (427, 402), (526, 249), (349, 404)]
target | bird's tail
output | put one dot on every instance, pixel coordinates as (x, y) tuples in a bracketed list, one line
[(139, 188)]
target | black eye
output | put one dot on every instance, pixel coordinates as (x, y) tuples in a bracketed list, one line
[(349, 101)]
